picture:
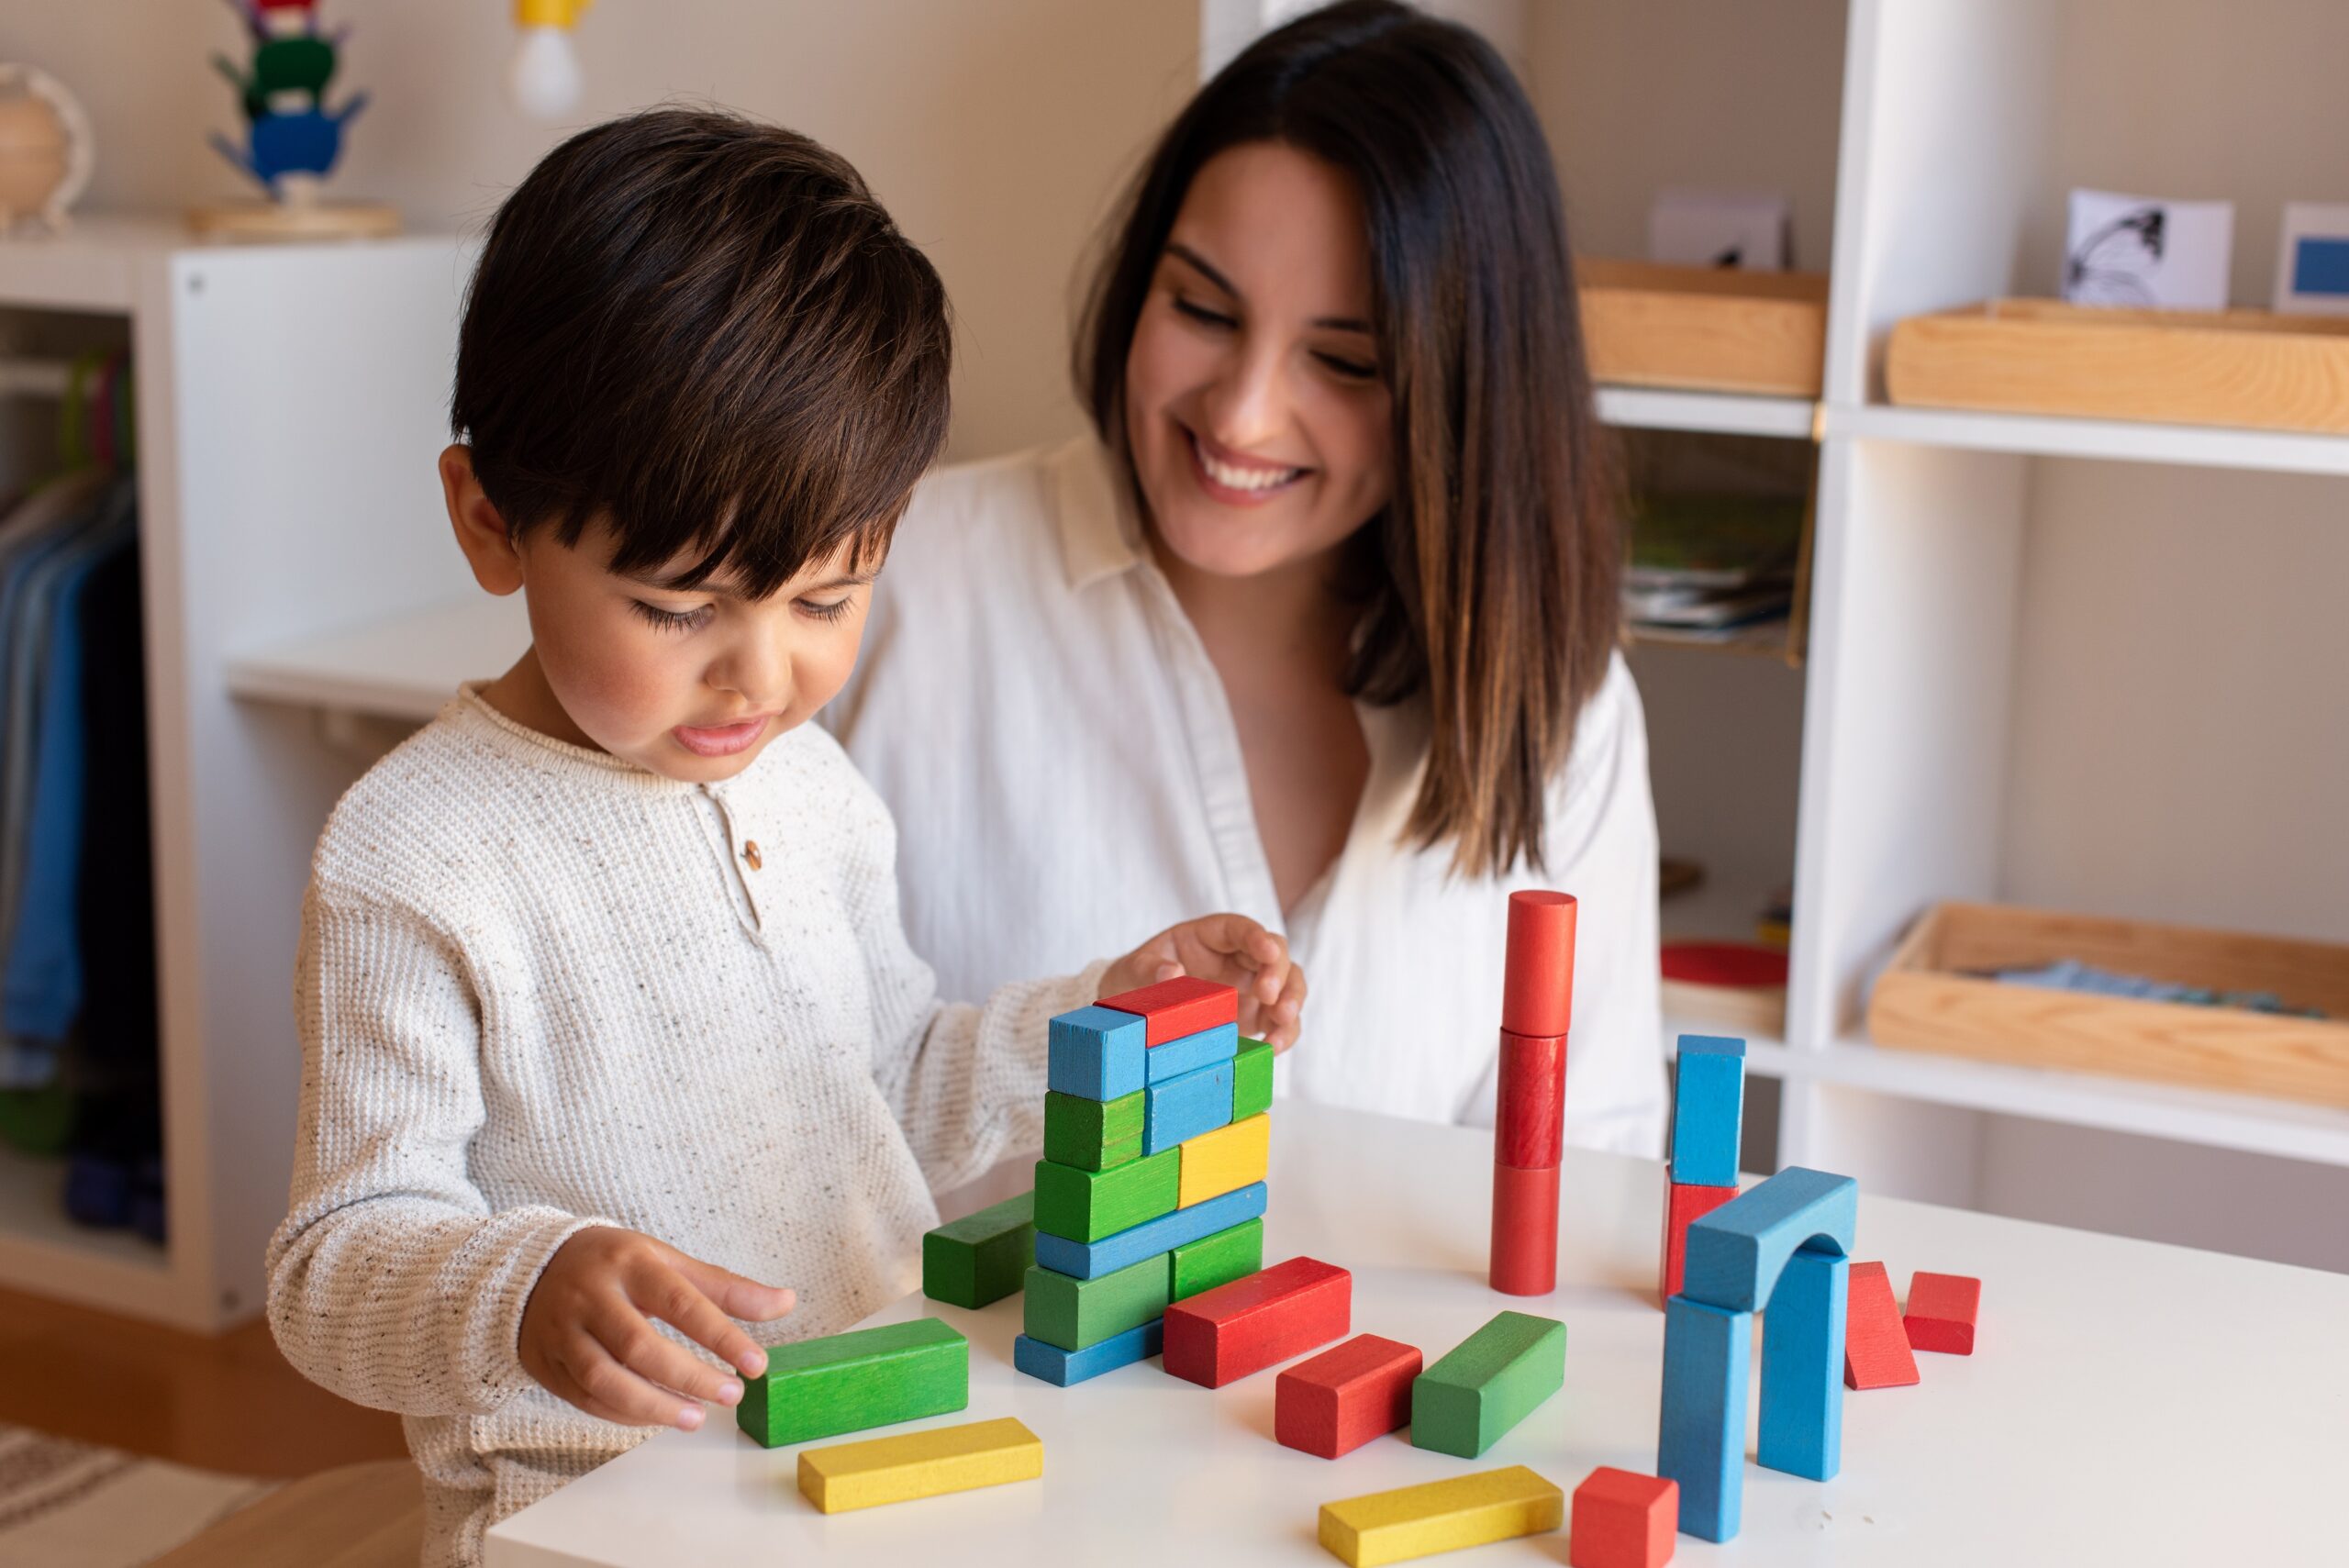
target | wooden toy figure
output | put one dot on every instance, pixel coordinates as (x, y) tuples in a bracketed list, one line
[(292, 140)]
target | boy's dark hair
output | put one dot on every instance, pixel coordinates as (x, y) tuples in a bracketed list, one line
[(704, 332)]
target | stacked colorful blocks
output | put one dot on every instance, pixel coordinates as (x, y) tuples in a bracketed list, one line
[(1156, 1141)]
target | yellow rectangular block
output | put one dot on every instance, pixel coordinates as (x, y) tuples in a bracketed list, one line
[(920, 1464), (1441, 1516), (1225, 1161)]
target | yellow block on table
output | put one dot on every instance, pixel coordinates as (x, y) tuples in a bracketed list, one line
[(920, 1464), (1441, 1515), (1224, 1161)]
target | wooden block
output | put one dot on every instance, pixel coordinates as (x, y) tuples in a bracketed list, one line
[(1216, 1163), (920, 1464), (1941, 1310), (1528, 1126), (1179, 1110), (1252, 1080), (1525, 1230), (1704, 329), (1707, 1109), (1085, 1206), (1191, 1053), (1055, 1365), (1097, 1053), (1492, 1379), (1735, 1254), (981, 1257), (1682, 1204), (1802, 1366), (1877, 1352), (1221, 1334), (1441, 1515), (1622, 1520), (1092, 1134), (1072, 1314), (1215, 1260), (1700, 1431), (1538, 993), (1339, 1400), (1172, 1009), (1087, 1260), (845, 1382)]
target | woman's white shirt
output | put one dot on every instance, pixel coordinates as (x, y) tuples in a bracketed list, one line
[(1038, 713)]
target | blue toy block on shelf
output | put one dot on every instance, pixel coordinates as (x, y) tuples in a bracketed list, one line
[(1708, 1107), (1736, 1252), (1193, 1052), (1056, 1365), (1179, 1110), (1802, 1369), (1090, 1259), (1700, 1443), (1097, 1053)]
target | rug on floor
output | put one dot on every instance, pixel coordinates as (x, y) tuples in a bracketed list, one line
[(69, 1504)]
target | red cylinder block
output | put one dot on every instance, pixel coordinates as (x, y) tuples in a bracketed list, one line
[(1537, 997), (1525, 1230), (1528, 1126)]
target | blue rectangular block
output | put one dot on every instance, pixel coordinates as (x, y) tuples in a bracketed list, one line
[(1054, 1364), (1802, 1366), (1734, 1254), (2321, 265), (1708, 1107), (1700, 1437), (1193, 1052), (1090, 1259), (1097, 1053), (1179, 1110)]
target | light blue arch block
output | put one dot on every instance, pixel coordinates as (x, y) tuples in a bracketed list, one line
[(1736, 1252), (1707, 1109), (1700, 1440), (1802, 1366)]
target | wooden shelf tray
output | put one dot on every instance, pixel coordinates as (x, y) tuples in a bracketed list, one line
[(1704, 328), (1931, 999), (2247, 368)]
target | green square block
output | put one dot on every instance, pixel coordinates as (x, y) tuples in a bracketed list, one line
[(1092, 1134), (1465, 1403), (1252, 1080), (1215, 1260), (981, 1257), (867, 1377), (1076, 1312), (1085, 1206)]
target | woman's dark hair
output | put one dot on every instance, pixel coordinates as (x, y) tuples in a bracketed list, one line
[(705, 333), (1490, 580)]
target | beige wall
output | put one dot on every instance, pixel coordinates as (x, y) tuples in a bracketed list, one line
[(997, 130)]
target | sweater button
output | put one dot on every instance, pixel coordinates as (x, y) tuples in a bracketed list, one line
[(750, 853)]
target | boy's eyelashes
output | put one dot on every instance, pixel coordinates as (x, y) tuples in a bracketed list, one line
[(701, 614)]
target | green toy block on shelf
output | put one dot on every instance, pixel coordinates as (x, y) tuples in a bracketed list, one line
[(1465, 1403), (1076, 1314), (1085, 1206), (981, 1257), (1092, 1134), (1252, 1080), (1215, 1260), (846, 1382)]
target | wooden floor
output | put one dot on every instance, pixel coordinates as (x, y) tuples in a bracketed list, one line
[(229, 1403)]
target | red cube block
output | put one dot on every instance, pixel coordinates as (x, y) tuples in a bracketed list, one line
[(1176, 1007), (1942, 1310), (1623, 1521), (1684, 1201), (1223, 1335), (1342, 1398)]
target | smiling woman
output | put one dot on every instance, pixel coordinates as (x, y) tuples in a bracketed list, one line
[(1319, 623)]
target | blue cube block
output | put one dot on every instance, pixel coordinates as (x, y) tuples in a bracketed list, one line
[(1098, 1053), (1091, 1260), (1193, 1052), (1179, 1110), (1054, 1364), (1707, 1106)]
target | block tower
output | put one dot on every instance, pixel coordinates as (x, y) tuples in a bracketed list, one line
[(1537, 1007), (1708, 1111), (1157, 1135)]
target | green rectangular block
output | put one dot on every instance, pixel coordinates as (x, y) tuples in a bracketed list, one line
[(1252, 1080), (1085, 1206), (1466, 1402), (846, 1382), (1215, 1260), (1075, 1313), (981, 1257), (1092, 1134)]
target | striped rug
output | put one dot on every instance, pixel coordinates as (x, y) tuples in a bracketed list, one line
[(69, 1504)]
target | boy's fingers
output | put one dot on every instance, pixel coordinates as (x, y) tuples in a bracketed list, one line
[(737, 1295), (605, 1389), (676, 1297), (638, 1346)]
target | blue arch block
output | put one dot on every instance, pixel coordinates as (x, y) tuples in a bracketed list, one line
[(1802, 1367), (1736, 1252)]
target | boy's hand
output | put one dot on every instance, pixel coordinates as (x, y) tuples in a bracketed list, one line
[(587, 1334), (1234, 951)]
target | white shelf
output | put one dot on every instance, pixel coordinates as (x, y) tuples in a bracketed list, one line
[(405, 667), (92, 266), (2047, 435), (1716, 413)]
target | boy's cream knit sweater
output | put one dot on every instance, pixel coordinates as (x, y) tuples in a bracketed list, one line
[(541, 989)]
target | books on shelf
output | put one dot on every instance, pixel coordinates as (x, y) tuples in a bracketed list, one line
[(1705, 566)]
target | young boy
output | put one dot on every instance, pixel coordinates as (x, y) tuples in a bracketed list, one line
[(607, 1018)]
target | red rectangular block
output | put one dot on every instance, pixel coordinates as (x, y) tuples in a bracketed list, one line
[(1623, 1521), (1876, 1346), (1178, 1006), (1525, 1230), (1342, 1398), (1223, 1335), (1942, 1310), (1684, 1201), (1528, 1126), (1537, 982)]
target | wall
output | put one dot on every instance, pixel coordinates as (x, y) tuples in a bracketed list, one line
[(995, 132)]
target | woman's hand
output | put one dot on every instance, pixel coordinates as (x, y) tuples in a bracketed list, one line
[(588, 1333), (1234, 951)]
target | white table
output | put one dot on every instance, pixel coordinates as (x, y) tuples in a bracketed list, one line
[(2127, 1403)]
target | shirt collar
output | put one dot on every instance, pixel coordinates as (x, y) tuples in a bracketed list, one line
[(1100, 534)]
